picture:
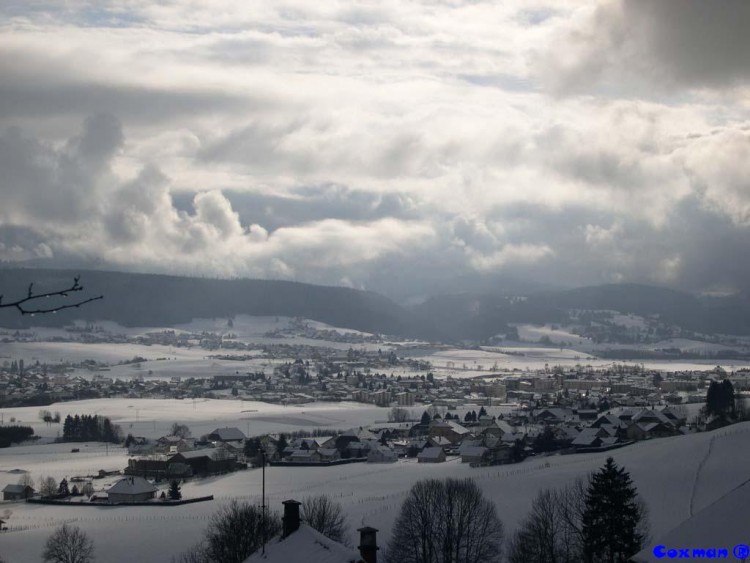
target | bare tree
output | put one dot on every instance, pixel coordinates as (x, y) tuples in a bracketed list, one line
[(323, 514), (26, 480), (48, 486), (551, 533), (31, 297), (446, 521), (180, 430), (399, 414), (236, 532), (68, 544)]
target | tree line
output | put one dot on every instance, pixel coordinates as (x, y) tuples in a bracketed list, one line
[(90, 428), (14, 435)]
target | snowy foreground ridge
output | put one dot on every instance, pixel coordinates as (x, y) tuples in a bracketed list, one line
[(676, 477)]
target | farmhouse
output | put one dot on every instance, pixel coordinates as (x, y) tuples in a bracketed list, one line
[(231, 436), (381, 454), (431, 455), (17, 492), (131, 489)]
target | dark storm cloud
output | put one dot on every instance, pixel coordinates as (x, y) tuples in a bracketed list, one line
[(41, 182), (651, 46)]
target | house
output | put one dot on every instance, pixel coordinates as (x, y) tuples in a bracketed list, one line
[(553, 415), (131, 489), (450, 430), (676, 416), (299, 543), (303, 456), (381, 454), (232, 436), (473, 454), (646, 430), (17, 492), (594, 438), (174, 444), (608, 419), (431, 455), (439, 442), (206, 461), (329, 454)]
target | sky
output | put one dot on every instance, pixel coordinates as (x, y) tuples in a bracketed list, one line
[(408, 147)]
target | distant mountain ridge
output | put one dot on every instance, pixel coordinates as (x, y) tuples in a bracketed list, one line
[(480, 316), (162, 300), (133, 299)]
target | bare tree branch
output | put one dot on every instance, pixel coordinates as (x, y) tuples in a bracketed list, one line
[(31, 296), (322, 513)]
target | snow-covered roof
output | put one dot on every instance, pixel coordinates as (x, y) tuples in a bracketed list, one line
[(430, 453), (196, 454), (303, 546), (228, 433), (473, 451), (131, 486), (15, 488)]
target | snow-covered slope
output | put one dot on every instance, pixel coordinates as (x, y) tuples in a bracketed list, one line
[(675, 476)]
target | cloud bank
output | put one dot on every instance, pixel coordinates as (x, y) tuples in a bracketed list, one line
[(405, 147)]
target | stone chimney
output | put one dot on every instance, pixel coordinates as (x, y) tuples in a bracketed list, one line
[(291, 517), (368, 544)]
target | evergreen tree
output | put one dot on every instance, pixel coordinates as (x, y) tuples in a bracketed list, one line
[(281, 444), (174, 490), (482, 412), (614, 519), (62, 489), (720, 399), (425, 420)]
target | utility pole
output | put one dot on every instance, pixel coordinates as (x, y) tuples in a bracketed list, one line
[(263, 498)]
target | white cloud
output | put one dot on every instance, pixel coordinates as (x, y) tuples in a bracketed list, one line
[(338, 143)]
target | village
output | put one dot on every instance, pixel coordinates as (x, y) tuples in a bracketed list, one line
[(491, 424), (457, 410)]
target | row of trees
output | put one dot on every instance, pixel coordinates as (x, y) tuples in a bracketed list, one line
[(86, 428), (602, 521), (599, 521), (14, 434)]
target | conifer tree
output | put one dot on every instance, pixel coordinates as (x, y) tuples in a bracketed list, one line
[(614, 518), (174, 490)]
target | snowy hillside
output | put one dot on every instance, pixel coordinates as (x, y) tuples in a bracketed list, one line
[(675, 476)]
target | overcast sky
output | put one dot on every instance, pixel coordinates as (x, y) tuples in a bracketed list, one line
[(406, 147)]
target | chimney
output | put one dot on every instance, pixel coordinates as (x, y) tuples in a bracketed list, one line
[(291, 517), (368, 544)]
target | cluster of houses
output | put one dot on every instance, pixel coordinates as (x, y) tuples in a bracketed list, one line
[(178, 457), (127, 490), (479, 440)]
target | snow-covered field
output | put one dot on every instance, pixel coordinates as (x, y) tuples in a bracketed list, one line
[(671, 474), (534, 333), (525, 358), (152, 418)]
